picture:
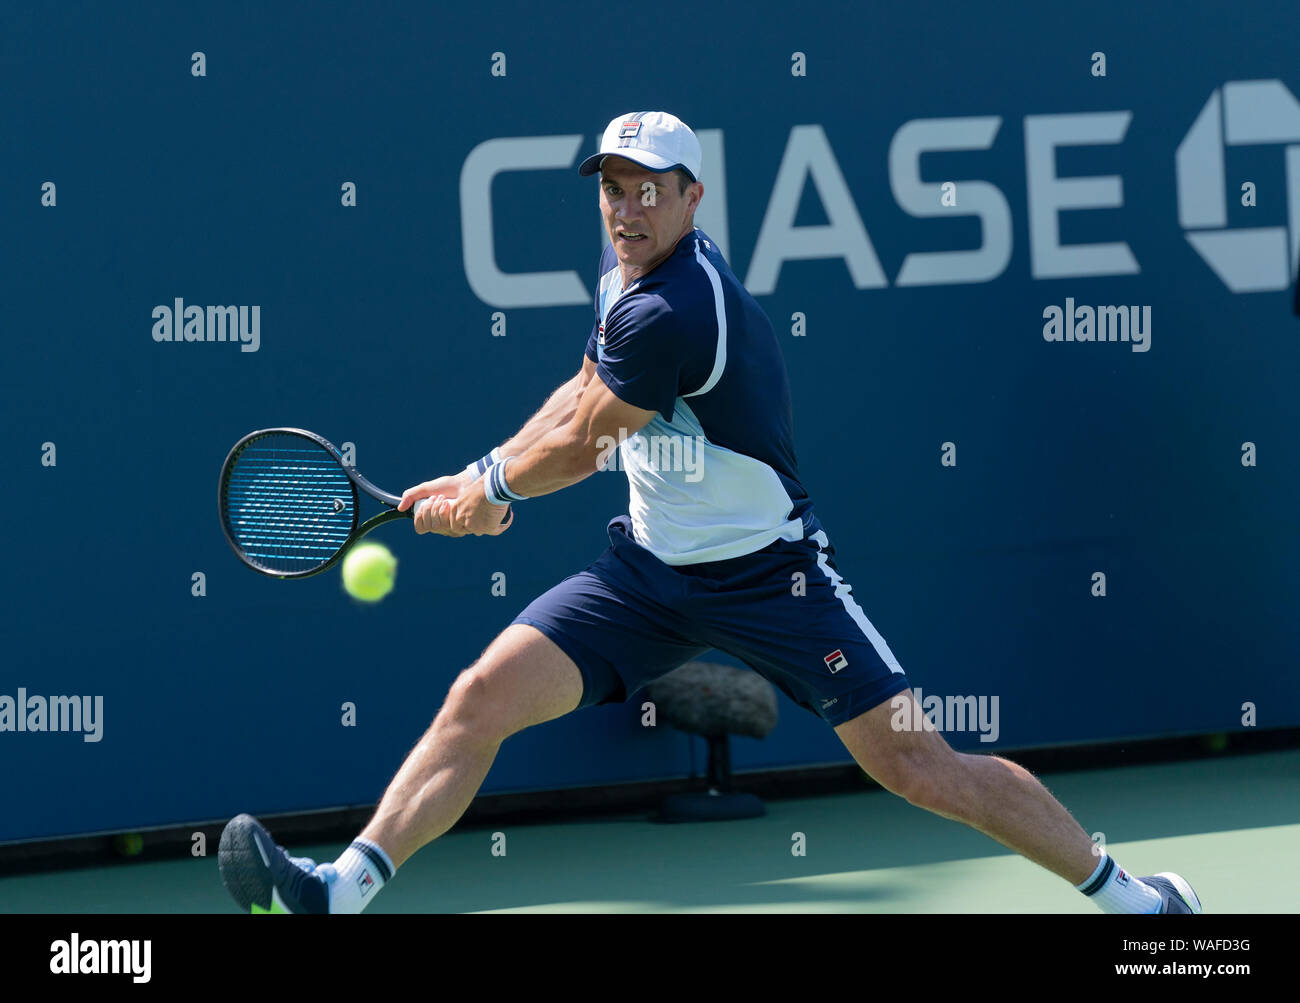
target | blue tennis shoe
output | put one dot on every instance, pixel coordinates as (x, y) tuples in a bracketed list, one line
[(261, 876)]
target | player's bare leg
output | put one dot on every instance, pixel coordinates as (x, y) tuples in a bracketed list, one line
[(522, 679), (1005, 802), (988, 793)]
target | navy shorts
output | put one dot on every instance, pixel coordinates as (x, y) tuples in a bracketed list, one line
[(630, 618)]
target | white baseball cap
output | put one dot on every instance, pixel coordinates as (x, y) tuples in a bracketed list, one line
[(654, 139)]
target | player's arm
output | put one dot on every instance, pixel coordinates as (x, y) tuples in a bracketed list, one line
[(560, 458), (573, 451), (557, 411), (646, 347)]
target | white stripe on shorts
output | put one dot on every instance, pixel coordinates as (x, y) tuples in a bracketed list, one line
[(851, 604)]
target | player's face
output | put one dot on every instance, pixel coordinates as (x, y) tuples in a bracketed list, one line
[(645, 213)]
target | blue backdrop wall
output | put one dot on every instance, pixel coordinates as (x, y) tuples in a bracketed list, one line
[(828, 135)]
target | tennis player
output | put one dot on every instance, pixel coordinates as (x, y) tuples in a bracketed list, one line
[(721, 549)]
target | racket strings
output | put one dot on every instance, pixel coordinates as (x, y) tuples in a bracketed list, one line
[(288, 504)]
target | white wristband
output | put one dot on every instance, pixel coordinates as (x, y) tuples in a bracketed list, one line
[(479, 467), (495, 487)]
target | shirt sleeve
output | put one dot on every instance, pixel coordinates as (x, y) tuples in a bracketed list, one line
[(591, 342), (644, 354)]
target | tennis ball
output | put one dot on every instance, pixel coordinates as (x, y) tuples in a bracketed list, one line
[(128, 844), (369, 571)]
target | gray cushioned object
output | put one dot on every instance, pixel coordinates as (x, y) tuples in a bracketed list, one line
[(705, 698)]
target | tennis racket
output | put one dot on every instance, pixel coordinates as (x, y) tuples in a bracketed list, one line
[(289, 504)]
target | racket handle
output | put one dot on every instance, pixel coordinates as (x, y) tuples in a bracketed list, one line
[(415, 509)]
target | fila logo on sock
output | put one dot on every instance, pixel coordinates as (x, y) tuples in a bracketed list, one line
[(365, 882), (1121, 878), (835, 661)]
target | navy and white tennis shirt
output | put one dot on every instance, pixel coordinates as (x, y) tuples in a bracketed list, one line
[(713, 475)]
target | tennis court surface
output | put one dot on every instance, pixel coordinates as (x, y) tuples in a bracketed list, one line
[(1230, 824)]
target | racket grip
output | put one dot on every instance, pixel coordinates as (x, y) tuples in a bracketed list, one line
[(415, 509)]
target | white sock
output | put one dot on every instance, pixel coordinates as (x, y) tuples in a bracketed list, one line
[(1116, 891), (363, 869)]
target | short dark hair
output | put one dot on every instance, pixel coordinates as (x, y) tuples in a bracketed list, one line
[(683, 181)]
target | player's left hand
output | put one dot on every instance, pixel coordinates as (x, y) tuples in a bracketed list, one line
[(438, 489)]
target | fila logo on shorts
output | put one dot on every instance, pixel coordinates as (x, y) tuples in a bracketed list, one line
[(835, 660)]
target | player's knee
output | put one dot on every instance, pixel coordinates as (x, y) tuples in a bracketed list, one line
[(472, 703), (926, 792), (905, 777), (926, 779)]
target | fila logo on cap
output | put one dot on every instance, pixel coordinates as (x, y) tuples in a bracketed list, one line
[(629, 130)]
